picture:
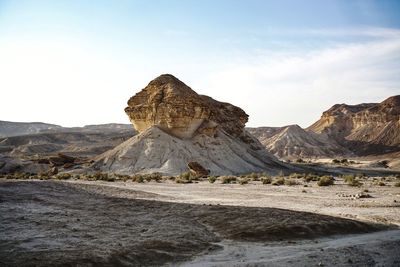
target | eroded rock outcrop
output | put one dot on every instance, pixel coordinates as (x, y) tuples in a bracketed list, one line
[(374, 126), (178, 127), (175, 108)]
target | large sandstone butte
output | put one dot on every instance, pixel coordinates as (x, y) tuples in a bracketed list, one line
[(178, 110), (177, 126)]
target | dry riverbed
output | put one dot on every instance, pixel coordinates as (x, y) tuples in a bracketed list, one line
[(89, 223)]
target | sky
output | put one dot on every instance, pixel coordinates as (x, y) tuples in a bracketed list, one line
[(284, 62)]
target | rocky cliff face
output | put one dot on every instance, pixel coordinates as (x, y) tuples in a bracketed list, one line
[(374, 125), (177, 126), (174, 107)]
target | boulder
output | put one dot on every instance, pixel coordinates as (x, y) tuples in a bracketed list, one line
[(197, 170)]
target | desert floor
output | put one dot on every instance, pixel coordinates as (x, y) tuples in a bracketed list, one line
[(93, 223)]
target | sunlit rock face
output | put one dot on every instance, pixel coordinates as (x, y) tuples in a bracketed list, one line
[(175, 108), (372, 123)]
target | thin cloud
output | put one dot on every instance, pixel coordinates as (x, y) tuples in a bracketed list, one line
[(286, 89)]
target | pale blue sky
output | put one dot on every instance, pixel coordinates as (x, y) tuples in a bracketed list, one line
[(284, 62)]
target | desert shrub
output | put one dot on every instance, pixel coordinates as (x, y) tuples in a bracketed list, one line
[(311, 177), (43, 176), (103, 176), (291, 182), (344, 161), (326, 181), (212, 179), (228, 179), (300, 160), (63, 176), (348, 177), (266, 180), (361, 175), (20, 175), (253, 175), (381, 183), (397, 184), (138, 178), (171, 178), (122, 177), (351, 180), (296, 175), (243, 181), (110, 179), (335, 161), (185, 175), (153, 177), (279, 181), (184, 178), (179, 180)]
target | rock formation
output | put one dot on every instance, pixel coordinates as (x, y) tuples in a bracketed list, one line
[(178, 110), (343, 131), (177, 126), (374, 128)]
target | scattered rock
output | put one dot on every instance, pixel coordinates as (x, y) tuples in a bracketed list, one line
[(53, 171), (61, 159)]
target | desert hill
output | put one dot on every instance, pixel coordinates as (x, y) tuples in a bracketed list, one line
[(369, 129), (8, 128), (84, 141), (177, 126), (290, 142)]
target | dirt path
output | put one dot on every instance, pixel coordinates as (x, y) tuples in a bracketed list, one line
[(374, 249)]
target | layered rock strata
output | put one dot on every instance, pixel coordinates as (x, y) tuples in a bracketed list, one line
[(178, 110)]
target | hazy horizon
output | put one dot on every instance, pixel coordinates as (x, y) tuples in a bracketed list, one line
[(75, 63)]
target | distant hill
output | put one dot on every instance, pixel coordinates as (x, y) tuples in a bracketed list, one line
[(290, 142), (371, 129), (30, 139), (8, 128)]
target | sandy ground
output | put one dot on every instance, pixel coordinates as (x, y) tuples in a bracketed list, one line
[(81, 223), (337, 200), (374, 249)]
